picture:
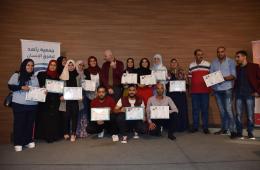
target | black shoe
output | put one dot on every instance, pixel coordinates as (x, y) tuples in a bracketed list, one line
[(251, 136), (206, 131), (221, 132), (171, 136), (194, 130), (233, 135)]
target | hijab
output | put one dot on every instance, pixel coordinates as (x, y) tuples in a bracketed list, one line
[(142, 70), (24, 76), (130, 69), (80, 72), (93, 70), (59, 64), (159, 66), (52, 74)]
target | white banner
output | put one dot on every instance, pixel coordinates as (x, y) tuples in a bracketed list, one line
[(41, 52)]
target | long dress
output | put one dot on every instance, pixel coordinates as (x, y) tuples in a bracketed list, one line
[(48, 119), (180, 100)]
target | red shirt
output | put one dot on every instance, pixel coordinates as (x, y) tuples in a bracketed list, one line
[(107, 102)]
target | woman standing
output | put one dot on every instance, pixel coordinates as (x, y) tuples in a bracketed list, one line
[(69, 75), (130, 68), (179, 98), (49, 118), (24, 110), (61, 62), (144, 69)]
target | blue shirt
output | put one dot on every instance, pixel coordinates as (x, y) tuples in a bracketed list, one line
[(227, 68)]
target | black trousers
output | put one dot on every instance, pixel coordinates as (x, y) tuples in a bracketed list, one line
[(71, 115), (137, 126), (23, 124), (118, 124), (169, 124)]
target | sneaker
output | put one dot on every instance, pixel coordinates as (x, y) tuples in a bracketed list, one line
[(240, 136), (115, 138), (206, 131), (66, 136), (171, 136), (251, 136), (233, 135), (30, 145), (18, 148), (101, 134), (221, 132), (124, 140), (73, 138), (136, 136), (194, 130)]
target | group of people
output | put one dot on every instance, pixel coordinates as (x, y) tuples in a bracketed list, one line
[(70, 119)]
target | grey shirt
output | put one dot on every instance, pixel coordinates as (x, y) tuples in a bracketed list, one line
[(166, 101)]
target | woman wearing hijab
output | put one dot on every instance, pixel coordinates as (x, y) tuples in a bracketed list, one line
[(92, 73), (61, 62), (179, 98), (69, 75), (24, 110), (82, 115), (158, 65), (48, 121), (130, 68), (144, 69)]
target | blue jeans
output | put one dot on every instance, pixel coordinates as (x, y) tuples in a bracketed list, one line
[(224, 101), (249, 102), (200, 103)]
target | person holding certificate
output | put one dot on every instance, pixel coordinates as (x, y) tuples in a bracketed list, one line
[(247, 88), (155, 125), (102, 101), (48, 119), (144, 69), (178, 97), (130, 68), (224, 91), (69, 75), (111, 73), (199, 91), (132, 100), (23, 110), (61, 62)]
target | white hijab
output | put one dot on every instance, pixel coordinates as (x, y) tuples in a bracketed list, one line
[(159, 66), (65, 73)]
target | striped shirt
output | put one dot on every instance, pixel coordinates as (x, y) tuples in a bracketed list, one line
[(196, 73)]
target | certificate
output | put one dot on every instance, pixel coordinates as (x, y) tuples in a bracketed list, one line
[(159, 112), (100, 114), (160, 74), (213, 78), (177, 86), (129, 78), (134, 113), (36, 94), (72, 93), (54, 86), (147, 79), (89, 85)]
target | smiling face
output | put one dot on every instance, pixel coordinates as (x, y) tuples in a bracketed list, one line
[(81, 66), (92, 62), (64, 61), (71, 67), (159, 89), (29, 67), (144, 63), (132, 91), (52, 66), (156, 61), (174, 64), (130, 63)]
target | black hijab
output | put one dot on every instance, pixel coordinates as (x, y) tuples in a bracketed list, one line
[(24, 76), (142, 70), (130, 69), (59, 64)]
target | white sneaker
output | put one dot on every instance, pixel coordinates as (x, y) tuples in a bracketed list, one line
[(101, 134), (124, 140), (18, 148), (136, 136), (73, 138), (115, 138), (30, 145)]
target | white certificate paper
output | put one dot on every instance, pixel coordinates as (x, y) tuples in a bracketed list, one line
[(159, 112), (89, 85), (134, 113), (213, 78), (129, 78), (36, 94), (147, 79), (177, 86), (100, 114), (72, 93), (160, 74), (54, 86)]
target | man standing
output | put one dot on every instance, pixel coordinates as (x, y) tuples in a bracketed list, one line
[(223, 91), (132, 100), (161, 100), (111, 73), (247, 87), (199, 91)]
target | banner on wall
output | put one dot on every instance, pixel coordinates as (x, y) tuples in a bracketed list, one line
[(256, 59), (41, 52)]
